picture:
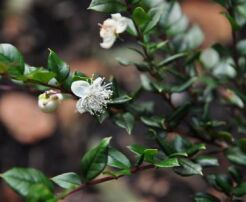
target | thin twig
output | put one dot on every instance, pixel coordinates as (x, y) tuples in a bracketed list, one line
[(108, 178)]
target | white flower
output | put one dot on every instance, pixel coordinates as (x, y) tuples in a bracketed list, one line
[(49, 101), (94, 97), (111, 28)]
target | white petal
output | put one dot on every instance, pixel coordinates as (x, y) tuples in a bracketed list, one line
[(121, 23), (104, 33), (98, 81), (79, 106), (79, 87), (110, 23), (108, 42)]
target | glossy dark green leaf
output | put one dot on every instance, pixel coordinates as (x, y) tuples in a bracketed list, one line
[(120, 100), (118, 159), (242, 144), (207, 161), (140, 17), (177, 116), (188, 168), (108, 6), (155, 15), (235, 174), (102, 117), (171, 59), (224, 183), (153, 121), (240, 190), (204, 197), (182, 87), (144, 154), (40, 75), (125, 121), (22, 179), (235, 155), (194, 149), (11, 60), (58, 66), (223, 135), (95, 160), (67, 180), (168, 163), (40, 193)]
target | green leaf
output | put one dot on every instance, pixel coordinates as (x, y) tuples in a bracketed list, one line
[(188, 168), (102, 117), (11, 60), (155, 15), (204, 197), (235, 155), (207, 161), (178, 115), (153, 121), (222, 135), (118, 159), (108, 6), (95, 160), (140, 17), (131, 29), (242, 144), (144, 154), (126, 121), (240, 190), (137, 149), (120, 100), (39, 192), (40, 75), (224, 183), (67, 180), (183, 87), (168, 163), (194, 149), (235, 174), (22, 179), (58, 66), (118, 173), (171, 59)]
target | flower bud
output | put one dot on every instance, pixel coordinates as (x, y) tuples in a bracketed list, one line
[(49, 101)]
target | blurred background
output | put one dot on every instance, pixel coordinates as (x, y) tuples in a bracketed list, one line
[(54, 143)]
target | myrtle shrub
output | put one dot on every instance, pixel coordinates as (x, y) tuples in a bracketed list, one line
[(187, 139)]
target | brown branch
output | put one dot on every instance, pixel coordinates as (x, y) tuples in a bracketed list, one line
[(108, 178)]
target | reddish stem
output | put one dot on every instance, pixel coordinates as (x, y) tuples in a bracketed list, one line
[(109, 178)]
